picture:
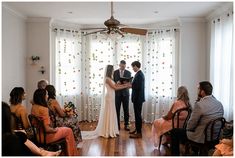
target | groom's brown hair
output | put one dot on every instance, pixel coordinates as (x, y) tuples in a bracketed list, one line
[(136, 63)]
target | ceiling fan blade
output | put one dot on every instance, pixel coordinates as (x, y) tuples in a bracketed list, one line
[(134, 31), (92, 28), (94, 32), (119, 32)]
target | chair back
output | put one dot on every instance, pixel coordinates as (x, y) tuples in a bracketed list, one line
[(176, 117), (38, 129), (17, 122), (52, 118), (213, 129)]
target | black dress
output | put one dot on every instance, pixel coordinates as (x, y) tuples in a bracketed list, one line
[(13, 144)]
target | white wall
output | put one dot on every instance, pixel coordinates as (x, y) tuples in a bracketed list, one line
[(13, 52), (193, 54), (38, 44)]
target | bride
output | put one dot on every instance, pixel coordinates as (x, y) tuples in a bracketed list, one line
[(107, 123)]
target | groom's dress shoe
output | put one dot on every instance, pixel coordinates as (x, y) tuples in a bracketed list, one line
[(132, 132), (137, 135), (127, 128)]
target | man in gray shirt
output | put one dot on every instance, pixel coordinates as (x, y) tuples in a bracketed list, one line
[(205, 109)]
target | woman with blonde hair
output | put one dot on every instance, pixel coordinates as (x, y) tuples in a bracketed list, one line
[(164, 124)]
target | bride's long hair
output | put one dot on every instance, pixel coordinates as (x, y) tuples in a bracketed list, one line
[(109, 71)]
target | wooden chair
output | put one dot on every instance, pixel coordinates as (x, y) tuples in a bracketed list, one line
[(212, 136), (17, 122), (40, 136), (176, 118)]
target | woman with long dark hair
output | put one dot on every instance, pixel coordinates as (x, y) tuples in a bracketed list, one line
[(16, 143), (62, 118), (40, 110), (17, 95)]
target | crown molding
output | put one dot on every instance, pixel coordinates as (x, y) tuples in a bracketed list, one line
[(224, 8), (38, 19), (65, 24), (12, 11), (190, 20), (173, 23)]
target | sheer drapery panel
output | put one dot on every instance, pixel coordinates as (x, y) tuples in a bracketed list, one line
[(222, 61), (80, 62)]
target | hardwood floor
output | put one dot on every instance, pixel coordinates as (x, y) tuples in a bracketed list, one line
[(121, 145)]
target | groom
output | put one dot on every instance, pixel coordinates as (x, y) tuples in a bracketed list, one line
[(122, 96), (137, 98)]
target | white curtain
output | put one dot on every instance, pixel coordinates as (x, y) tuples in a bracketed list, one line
[(156, 52), (222, 62), (67, 64), (160, 70), (98, 51)]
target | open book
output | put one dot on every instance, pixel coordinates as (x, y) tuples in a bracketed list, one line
[(125, 79)]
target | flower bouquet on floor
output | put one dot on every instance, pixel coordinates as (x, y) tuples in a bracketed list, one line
[(70, 109)]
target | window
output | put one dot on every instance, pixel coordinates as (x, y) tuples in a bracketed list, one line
[(81, 60)]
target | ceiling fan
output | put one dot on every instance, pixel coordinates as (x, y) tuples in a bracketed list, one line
[(114, 26)]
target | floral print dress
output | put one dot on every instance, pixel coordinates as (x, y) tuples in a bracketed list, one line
[(70, 121)]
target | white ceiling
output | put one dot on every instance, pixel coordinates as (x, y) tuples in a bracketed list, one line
[(125, 12)]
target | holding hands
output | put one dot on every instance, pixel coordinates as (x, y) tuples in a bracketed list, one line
[(124, 85)]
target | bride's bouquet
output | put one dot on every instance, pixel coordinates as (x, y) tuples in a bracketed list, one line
[(70, 109)]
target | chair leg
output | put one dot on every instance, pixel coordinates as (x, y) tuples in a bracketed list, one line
[(160, 142), (187, 148), (203, 151)]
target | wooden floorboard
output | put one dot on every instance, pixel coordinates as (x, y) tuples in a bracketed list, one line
[(121, 145)]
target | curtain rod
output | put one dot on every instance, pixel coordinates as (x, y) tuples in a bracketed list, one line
[(161, 31), (218, 19), (153, 30), (55, 29)]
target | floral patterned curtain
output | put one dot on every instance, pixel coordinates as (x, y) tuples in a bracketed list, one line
[(98, 51), (160, 70), (68, 72), (156, 52)]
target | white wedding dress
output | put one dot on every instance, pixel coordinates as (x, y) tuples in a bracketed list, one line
[(107, 124)]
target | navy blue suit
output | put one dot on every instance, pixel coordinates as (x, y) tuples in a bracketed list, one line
[(122, 97), (138, 97)]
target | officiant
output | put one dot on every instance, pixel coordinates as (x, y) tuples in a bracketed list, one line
[(122, 96)]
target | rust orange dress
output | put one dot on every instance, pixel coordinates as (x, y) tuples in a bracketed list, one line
[(20, 111), (161, 126), (62, 132)]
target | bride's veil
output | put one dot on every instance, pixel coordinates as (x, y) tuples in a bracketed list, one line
[(102, 107), (95, 133)]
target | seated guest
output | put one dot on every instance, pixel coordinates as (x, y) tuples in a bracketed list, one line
[(164, 124), (63, 118), (224, 148), (205, 109), (40, 110), (17, 95), (42, 84), (16, 143)]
